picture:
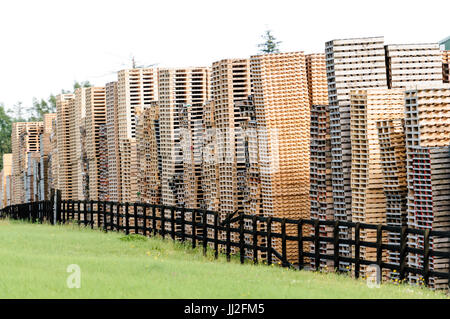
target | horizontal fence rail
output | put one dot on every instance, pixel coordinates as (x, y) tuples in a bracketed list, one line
[(298, 244)]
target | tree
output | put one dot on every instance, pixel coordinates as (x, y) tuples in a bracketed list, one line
[(84, 84), (18, 112), (270, 44), (5, 133)]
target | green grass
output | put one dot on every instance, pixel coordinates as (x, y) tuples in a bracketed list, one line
[(34, 260)]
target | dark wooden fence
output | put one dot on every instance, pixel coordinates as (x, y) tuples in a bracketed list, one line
[(251, 237)]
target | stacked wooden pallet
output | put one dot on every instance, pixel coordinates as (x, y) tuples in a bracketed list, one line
[(103, 182), (128, 155), (95, 118), (368, 197), (5, 175), (45, 148), (283, 117), (31, 177), (182, 95), (53, 160), (427, 130), (351, 64), (230, 83), (210, 174), (321, 193), (136, 88), (148, 155), (391, 137), (412, 63), (79, 120), (64, 111), (114, 182), (317, 79), (24, 139)]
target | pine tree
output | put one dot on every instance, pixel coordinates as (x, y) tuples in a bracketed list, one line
[(270, 44)]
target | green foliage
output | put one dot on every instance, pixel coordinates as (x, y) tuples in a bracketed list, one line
[(5, 133), (133, 237), (84, 84), (270, 44)]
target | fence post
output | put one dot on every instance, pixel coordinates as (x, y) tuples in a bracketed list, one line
[(105, 225), (92, 214), (241, 238), (379, 247), (172, 222), (300, 244), (336, 245), (216, 235), (255, 238), (127, 218), (317, 244), (403, 238), (118, 212), (78, 212), (228, 235), (154, 220), (183, 224), (205, 232), (426, 256), (269, 241), (283, 243), (58, 206), (357, 246), (163, 222), (136, 226), (144, 213), (85, 212), (194, 228), (111, 216)]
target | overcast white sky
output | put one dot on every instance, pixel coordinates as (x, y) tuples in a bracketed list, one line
[(46, 45)]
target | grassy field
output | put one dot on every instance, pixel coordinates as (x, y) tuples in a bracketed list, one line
[(34, 261)]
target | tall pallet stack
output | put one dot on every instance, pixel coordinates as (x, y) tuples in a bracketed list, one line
[(391, 136), (411, 63), (45, 149), (368, 197), (78, 114), (24, 139), (135, 88), (95, 118), (5, 175), (445, 66), (321, 193), (283, 117), (320, 144), (53, 161), (31, 174), (427, 131), (149, 155), (112, 123), (230, 82), (351, 64), (103, 182), (64, 111), (182, 93), (249, 177), (210, 167)]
